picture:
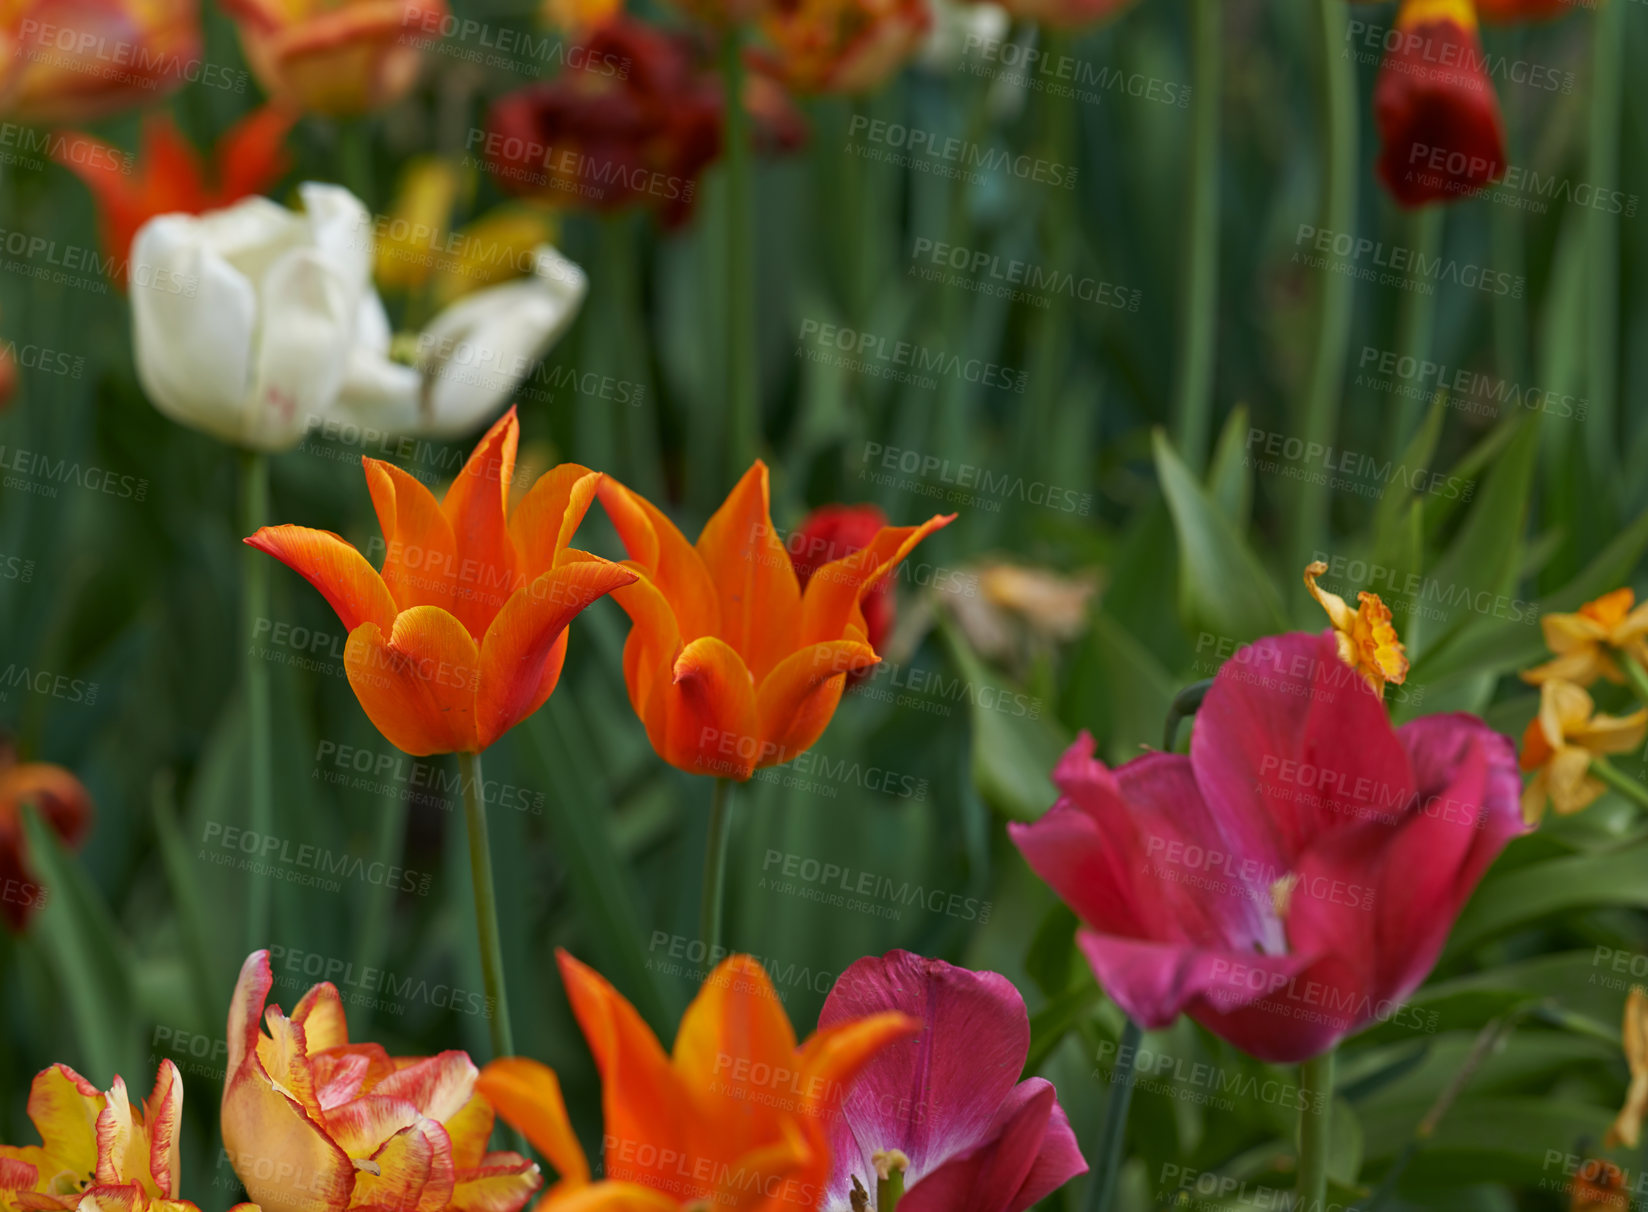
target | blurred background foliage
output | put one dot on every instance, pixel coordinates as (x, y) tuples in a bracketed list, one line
[(1191, 550)]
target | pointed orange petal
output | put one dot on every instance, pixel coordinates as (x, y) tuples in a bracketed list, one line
[(251, 155), (799, 697), (528, 1096), (477, 507), (420, 552), (418, 688), (832, 1057), (608, 1196), (320, 1013), (523, 649), (835, 589), (704, 721), (663, 553), (548, 516), (641, 1097), (348, 583), (753, 575)]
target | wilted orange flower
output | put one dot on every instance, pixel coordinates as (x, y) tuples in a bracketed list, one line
[(1586, 643), (169, 176), (62, 802), (78, 60), (1598, 1186), (730, 665), (97, 1154), (463, 634), (1368, 642), (1627, 1126), (1440, 134), (1561, 741), (842, 46), (313, 1123), (737, 1116), (337, 57)]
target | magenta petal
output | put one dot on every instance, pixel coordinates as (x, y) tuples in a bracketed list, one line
[(1290, 743), (935, 1094), (1029, 1153)]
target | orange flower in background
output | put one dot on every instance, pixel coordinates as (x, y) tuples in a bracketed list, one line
[(730, 665), (1067, 14), (170, 176), (97, 1154), (62, 802), (1440, 133), (314, 1123), (337, 57), (463, 633), (1599, 1186), (1586, 643), (737, 1116), (1560, 743), (1627, 1126), (78, 60), (843, 46), (1367, 639)]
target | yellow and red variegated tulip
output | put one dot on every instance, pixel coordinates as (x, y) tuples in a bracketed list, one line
[(97, 1154), (737, 1116), (730, 665), (78, 60), (62, 802), (843, 46), (463, 633), (314, 1123), (336, 57)]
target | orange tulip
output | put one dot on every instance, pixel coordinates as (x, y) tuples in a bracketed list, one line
[(730, 665), (313, 1123), (77, 60), (336, 57), (737, 1116), (170, 177), (463, 634), (843, 46), (62, 802), (97, 1154)]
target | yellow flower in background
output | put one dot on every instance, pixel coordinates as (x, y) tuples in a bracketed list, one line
[(1560, 743), (497, 247), (577, 16), (1586, 642), (1627, 1126), (410, 236), (1368, 642)]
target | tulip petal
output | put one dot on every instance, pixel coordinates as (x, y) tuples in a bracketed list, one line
[(503, 1184), (64, 1108), (642, 1100), (549, 515), (477, 507), (611, 1196), (974, 1037), (753, 575), (798, 697), (438, 1086), (320, 1013), (350, 585), (528, 1096), (990, 1177), (705, 721), (306, 324), (523, 649), (414, 1171), (419, 687), (421, 554), (162, 1118), (470, 1128), (364, 1125), (834, 591), (669, 561)]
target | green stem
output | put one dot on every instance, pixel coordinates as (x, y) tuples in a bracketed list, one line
[(1199, 288), (1102, 1191), (255, 609), (715, 870), (1602, 148), (1621, 782), (486, 904), (890, 1190), (1315, 1129), (1413, 337), (1316, 422), (743, 414), (1184, 705), (387, 846), (1634, 674)]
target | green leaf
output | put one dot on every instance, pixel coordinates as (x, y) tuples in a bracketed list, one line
[(1229, 481), (1520, 898)]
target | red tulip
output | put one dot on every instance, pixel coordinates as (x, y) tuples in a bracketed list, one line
[(62, 802), (1292, 879), (830, 533)]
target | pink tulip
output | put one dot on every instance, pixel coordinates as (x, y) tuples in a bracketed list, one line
[(1294, 878), (949, 1099)]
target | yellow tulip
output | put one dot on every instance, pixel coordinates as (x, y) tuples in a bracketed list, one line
[(1560, 743)]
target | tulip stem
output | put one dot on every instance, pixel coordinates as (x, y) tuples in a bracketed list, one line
[(1199, 297), (1634, 674), (1621, 782), (255, 608), (486, 904), (742, 413), (1102, 1192), (1315, 1129), (715, 870), (1185, 704)]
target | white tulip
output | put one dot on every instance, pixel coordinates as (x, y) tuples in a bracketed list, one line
[(255, 324)]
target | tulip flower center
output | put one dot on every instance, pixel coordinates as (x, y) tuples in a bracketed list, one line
[(1281, 895)]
